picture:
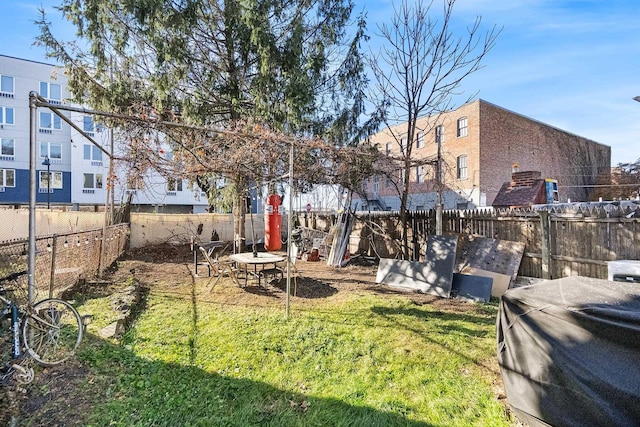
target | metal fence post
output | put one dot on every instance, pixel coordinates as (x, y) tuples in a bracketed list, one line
[(52, 273), (545, 238)]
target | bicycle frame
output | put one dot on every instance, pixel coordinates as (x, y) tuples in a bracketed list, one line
[(23, 374), (15, 328), (37, 331), (13, 310)]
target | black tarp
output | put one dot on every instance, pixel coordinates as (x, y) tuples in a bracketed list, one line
[(569, 352)]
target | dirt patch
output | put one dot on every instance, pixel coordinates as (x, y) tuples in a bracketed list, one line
[(63, 395)]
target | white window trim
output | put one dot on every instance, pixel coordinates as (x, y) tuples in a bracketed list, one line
[(93, 150), (461, 168), (7, 156), (53, 160), (461, 132), (92, 128), (94, 181), (3, 119), (3, 172), (53, 121), (48, 97), (5, 93), (420, 140), (56, 181), (134, 184), (176, 183)]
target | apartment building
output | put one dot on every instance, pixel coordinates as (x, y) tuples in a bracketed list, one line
[(77, 168), (482, 144)]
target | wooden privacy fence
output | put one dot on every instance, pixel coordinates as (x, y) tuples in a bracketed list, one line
[(558, 243)]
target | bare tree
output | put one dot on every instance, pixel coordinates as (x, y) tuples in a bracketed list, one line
[(622, 183), (418, 73)]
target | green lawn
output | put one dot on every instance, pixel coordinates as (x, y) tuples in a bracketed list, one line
[(369, 360)]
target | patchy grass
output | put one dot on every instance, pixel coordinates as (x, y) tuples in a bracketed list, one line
[(372, 360), (350, 354)]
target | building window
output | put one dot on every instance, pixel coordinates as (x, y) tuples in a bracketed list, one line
[(92, 180), (419, 174), (376, 184), (420, 140), (364, 185), (461, 163), (53, 150), (174, 184), (6, 86), (7, 149), (135, 183), (7, 177), (439, 134), (388, 148), (50, 121), (403, 144), (6, 116), (56, 180), (88, 125), (402, 177), (51, 92), (93, 153), (462, 126)]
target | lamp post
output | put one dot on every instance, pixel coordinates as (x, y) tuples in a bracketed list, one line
[(47, 163)]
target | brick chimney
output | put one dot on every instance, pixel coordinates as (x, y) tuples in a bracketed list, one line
[(524, 179)]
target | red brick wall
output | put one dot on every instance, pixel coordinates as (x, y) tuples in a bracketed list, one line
[(524, 179), (508, 138), (496, 140)]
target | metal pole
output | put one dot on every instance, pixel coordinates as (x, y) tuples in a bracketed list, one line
[(110, 186), (33, 129), (48, 163), (440, 186), (289, 227)]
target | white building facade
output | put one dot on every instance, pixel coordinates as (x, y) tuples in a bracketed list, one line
[(78, 169)]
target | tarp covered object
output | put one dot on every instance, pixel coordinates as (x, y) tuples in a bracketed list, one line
[(569, 352)]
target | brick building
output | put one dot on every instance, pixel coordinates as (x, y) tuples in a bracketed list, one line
[(481, 143)]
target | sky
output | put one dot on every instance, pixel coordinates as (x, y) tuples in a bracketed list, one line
[(572, 64)]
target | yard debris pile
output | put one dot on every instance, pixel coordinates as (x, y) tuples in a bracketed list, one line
[(469, 267)]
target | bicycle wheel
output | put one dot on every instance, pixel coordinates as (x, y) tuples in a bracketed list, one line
[(52, 331)]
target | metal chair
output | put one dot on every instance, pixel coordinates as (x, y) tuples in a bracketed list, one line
[(274, 272), (219, 269)]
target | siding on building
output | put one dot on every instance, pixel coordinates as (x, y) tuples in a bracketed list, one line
[(72, 165)]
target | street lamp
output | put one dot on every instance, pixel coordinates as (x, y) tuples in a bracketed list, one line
[(47, 163)]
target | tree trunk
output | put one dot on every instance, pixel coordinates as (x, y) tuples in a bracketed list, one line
[(239, 214)]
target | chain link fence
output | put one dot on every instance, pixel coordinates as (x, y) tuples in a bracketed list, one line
[(61, 260)]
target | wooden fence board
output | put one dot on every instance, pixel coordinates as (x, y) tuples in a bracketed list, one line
[(582, 240)]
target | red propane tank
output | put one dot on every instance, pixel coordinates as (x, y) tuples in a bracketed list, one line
[(273, 223)]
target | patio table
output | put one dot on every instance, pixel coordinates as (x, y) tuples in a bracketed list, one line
[(258, 259)]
